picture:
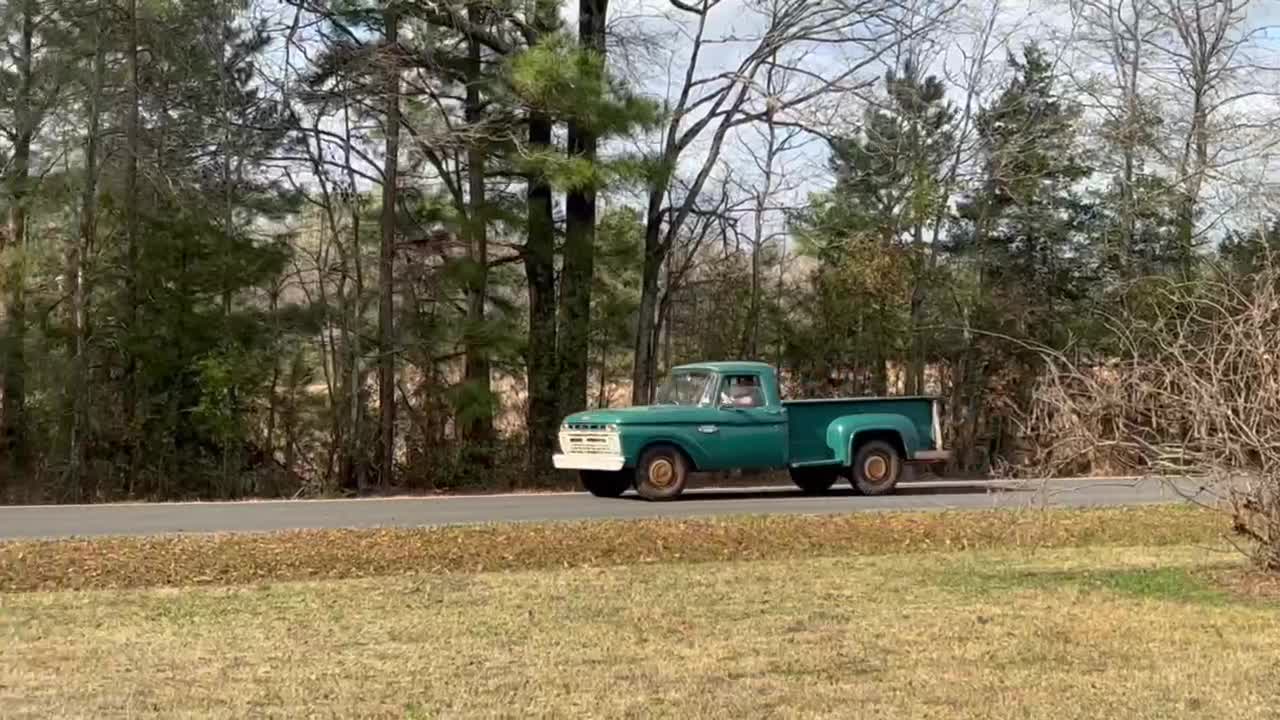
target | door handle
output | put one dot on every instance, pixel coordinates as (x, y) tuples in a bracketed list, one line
[(708, 429)]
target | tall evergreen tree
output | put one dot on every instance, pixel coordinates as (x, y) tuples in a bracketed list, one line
[(1025, 267), (33, 36), (887, 193), (580, 224), (561, 81), (192, 349), (1023, 223)]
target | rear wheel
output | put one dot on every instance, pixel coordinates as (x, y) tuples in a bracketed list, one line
[(877, 466), (602, 483), (813, 480), (661, 473)]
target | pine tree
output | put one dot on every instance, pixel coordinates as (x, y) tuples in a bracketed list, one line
[(576, 283), (32, 78), (194, 350), (1249, 253), (615, 296), (1023, 224), (887, 194), (1025, 267)]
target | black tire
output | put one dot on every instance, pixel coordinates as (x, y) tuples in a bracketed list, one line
[(814, 481), (877, 467), (661, 473), (605, 484)]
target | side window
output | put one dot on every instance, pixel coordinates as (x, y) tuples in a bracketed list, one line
[(742, 391)]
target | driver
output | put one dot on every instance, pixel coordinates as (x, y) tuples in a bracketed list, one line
[(744, 393)]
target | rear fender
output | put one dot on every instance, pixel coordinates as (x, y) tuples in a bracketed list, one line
[(843, 432)]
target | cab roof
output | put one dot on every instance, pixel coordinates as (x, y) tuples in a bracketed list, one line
[(734, 366)]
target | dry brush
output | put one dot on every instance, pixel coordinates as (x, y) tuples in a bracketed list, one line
[(1190, 386)]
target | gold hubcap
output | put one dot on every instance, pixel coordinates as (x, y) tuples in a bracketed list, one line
[(875, 468), (662, 473)]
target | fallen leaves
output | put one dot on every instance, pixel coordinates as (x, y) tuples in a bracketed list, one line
[(131, 562)]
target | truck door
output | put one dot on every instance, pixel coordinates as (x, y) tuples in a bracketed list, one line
[(749, 431)]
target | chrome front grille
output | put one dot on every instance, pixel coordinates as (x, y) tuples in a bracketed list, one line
[(577, 441)]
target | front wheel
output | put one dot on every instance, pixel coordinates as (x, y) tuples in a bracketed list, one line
[(661, 473), (605, 484), (876, 468), (813, 481)]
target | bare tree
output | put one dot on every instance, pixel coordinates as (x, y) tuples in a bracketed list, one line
[(717, 216), (1117, 40), (767, 146), (711, 103), (1215, 76), (336, 264)]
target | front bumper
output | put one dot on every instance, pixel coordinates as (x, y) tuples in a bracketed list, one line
[(607, 463)]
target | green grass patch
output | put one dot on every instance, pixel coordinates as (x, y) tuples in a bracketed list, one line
[(1173, 584), (192, 560)]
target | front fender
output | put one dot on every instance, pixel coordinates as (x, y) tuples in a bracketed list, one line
[(842, 431), (686, 438)]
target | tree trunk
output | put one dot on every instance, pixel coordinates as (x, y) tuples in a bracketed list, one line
[(662, 336), (781, 335), (644, 368), (753, 321), (879, 358), (231, 460), (1128, 199), (539, 260), (666, 323), (1197, 152), (916, 365), (274, 403), (580, 236), (1127, 36), (13, 427), (479, 430), (133, 143), (386, 259), (354, 462), (602, 399), (540, 268), (757, 238), (77, 251)]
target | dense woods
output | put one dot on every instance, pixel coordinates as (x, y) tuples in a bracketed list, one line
[(287, 247)]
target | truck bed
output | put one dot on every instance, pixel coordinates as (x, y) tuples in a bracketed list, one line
[(808, 421)]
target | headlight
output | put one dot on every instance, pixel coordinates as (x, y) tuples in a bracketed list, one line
[(611, 428)]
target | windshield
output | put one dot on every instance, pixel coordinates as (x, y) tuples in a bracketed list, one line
[(686, 387)]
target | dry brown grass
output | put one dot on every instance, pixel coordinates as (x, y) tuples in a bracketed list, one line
[(1066, 633), (113, 563)]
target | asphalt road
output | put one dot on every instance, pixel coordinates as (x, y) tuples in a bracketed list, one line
[(260, 516)]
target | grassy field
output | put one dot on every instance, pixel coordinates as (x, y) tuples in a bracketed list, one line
[(1065, 622)]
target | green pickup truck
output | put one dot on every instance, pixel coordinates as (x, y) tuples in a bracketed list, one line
[(730, 415)]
